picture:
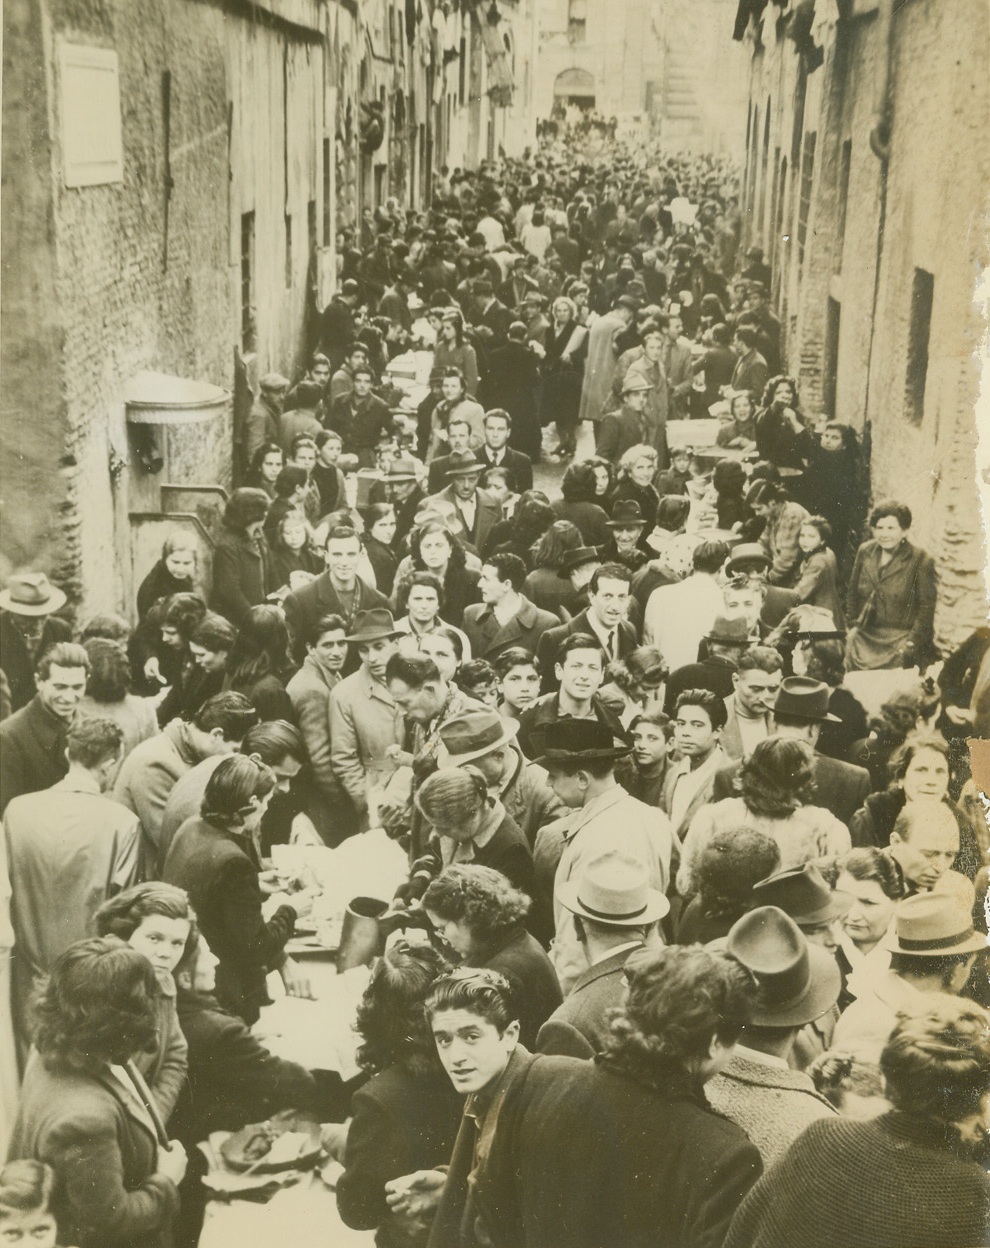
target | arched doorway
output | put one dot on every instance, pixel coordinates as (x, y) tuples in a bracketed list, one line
[(575, 86)]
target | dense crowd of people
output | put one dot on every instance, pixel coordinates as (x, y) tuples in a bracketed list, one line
[(696, 949)]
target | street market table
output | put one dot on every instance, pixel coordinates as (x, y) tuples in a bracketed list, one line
[(318, 1034)]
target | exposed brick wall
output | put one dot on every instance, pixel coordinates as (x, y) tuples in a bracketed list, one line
[(937, 173)]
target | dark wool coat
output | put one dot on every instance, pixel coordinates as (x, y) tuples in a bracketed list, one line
[(241, 575), (220, 873), (303, 607), (889, 1181), (524, 963), (585, 1157), (233, 1079), (840, 787), (18, 665), (551, 641), (399, 1123), (107, 1194), (579, 1027), (32, 751)]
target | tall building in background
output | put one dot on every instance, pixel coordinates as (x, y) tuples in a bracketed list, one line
[(660, 61)]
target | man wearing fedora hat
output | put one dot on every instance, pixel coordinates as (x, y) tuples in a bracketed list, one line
[(615, 911), (933, 946), (366, 723), (627, 525), (726, 641), (404, 491), (621, 430), (580, 757), (477, 512), (487, 741), (800, 708), (804, 895), (796, 982), (27, 628), (459, 441)]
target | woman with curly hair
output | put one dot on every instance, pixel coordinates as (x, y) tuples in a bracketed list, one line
[(544, 586), (158, 647), (157, 920), (891, 596), (86, 1110), (213, 856), (258, 664), (730, 865), (635, 684), (919, 1177), (479, 918), (266, 463), (405, 1117), (783, 435), (582, 503), (777, 783), (433, 548)]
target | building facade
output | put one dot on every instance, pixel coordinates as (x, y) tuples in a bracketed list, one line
[(176, 177), (866, 179)]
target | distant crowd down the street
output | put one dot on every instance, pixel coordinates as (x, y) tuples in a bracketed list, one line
[(560, 675)]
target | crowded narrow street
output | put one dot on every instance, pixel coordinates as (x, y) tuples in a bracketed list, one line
[(494, 651)]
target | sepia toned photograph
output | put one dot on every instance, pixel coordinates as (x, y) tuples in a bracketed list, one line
[(494, 634)]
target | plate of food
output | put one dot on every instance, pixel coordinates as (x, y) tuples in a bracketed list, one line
[(289, 1141)]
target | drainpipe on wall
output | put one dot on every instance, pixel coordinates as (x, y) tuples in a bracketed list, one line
[(880, 131), (880, 146)]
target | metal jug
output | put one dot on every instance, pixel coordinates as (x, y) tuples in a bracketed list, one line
[(368, 923)]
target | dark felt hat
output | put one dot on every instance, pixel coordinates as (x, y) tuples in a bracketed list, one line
[(464, 464), (796, 981), (579, 740), (625, 514), (803, 894), (576, 557), (374, 625), (804, 698)]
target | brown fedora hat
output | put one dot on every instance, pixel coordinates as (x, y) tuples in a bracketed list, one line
[(804, 698), (403, 468), (931, 925), (374, 625), (475, 734), (31, 593), (464, 464), (803, 894), (730, 632), (796, 981)]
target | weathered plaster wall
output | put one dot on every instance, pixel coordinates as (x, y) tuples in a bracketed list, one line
[(930, 219)]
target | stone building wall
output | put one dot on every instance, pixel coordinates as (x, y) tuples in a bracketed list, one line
[(851, 240)]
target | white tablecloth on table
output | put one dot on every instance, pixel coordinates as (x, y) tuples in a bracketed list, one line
[(302, 1216)]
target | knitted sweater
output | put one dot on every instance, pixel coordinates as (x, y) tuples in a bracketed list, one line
[(895, 1181), (773, 1105)]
